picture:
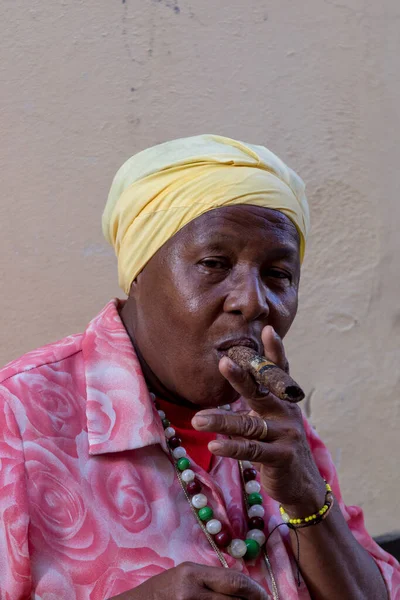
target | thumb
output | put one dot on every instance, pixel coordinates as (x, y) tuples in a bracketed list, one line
[(273, 348)]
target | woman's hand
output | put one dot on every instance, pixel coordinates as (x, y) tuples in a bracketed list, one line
[(290, 476), (287, 468), (189, 581)]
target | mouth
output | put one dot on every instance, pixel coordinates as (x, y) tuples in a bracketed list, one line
[(244, 341)]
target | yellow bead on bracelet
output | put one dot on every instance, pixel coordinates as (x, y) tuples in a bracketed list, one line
[(313, 519)]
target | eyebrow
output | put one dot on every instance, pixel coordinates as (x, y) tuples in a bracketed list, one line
[(289, 252)]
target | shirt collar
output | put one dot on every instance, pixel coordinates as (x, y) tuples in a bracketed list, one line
[(119, 410), (120, 413)]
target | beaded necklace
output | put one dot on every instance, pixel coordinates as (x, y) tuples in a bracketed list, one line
[(217, 535)]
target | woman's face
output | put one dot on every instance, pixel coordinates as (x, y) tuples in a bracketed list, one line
[(220, 279)]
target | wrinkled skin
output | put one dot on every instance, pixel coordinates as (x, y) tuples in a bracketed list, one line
[(235, 272), (189, 581), (232, 271)]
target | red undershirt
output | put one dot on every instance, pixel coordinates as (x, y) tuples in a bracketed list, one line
[(194, 442)]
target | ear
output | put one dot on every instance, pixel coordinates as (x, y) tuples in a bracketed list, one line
[(134, 286)]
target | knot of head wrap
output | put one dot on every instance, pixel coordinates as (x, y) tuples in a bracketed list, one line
[(160, 190)]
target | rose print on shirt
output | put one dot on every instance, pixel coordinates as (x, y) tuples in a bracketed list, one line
[(122, 497), (139, 565), (60, 511), (90, 505)]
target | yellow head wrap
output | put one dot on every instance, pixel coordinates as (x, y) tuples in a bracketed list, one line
[(160, 190)]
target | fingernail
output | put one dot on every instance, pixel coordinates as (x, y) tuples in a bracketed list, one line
[(214, 446), (200, 421), (228, 360)]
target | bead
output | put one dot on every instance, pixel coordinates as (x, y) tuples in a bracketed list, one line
[(253, 549), (206, 513), (166, 423), (183, 463), (223, 538), (187, 475), (169, 432), (256, 522), (174, 442), (257, 535), (285, 517), (256, 511), (254, 498), (249, 474), (179, 452), (225, 407), (199, 500), (162, 414), (152, 396), (193, 487), (237, 548), (246, 464), (252, 486), (214, 526)]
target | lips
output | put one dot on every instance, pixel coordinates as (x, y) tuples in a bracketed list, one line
[(243, 341)]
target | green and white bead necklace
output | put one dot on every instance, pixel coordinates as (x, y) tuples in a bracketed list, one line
[(218, 536)]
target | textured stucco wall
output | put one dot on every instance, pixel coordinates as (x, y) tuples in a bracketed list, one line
[(85, 84)]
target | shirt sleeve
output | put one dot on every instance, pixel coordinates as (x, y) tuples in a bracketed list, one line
[(15, 572), (353, 515)]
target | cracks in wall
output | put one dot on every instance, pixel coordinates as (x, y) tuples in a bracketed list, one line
[(125, 36), (337, 460), (307, 402), (346, 7), (139, 31), (172, 4), (342, 321)]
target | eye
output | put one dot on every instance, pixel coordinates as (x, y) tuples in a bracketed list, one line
[(279, 274), (215, 264)]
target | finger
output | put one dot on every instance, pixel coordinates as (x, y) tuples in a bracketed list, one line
[(241, 381), (260, 399), (249, 426), (252, 450), (232, 583), (273, 347)]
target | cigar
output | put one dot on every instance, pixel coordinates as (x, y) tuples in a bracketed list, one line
[(266, 373)]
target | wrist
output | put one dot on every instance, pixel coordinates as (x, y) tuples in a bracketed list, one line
[(309, 502)]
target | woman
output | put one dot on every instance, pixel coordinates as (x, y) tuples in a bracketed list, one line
[(120, 447)]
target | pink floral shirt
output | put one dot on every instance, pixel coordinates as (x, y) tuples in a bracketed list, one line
[(90, 505)]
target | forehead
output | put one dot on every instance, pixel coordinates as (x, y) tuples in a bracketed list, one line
[(242, 223)]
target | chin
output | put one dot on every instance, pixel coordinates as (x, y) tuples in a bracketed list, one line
[(217, 393)]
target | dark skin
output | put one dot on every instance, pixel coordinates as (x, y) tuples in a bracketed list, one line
[(235, 271)]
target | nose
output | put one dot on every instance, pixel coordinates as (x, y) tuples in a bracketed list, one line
[(248, 297)]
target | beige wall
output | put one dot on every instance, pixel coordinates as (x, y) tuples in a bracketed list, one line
[(85, 84)]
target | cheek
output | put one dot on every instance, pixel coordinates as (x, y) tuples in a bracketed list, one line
[(183, 321), (283, 310), (192, 300)]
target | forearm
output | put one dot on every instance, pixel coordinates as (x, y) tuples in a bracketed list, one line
[(334, 565)]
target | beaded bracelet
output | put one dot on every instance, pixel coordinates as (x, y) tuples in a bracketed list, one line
[(313, 519)]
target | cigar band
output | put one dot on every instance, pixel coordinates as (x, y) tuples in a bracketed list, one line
[(260, 364)]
